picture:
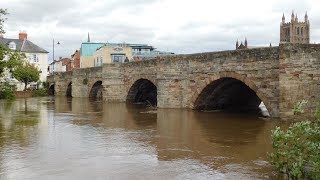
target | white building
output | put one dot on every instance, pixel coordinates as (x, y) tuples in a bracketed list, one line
[(57, 66), (35, 54)]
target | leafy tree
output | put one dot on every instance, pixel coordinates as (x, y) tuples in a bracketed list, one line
[(8, 59), (3, 51), (26, 74), (3, 12)]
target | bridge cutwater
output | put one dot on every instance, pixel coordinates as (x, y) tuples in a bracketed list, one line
[(278, 76)]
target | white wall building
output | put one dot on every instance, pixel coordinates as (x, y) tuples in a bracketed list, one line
[(59, 66), (35, 54)]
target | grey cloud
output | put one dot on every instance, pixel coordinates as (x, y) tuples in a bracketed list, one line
[(75, 18), (224, 36), (31, 11)]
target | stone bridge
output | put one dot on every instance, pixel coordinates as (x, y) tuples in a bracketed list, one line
[(239, 79)]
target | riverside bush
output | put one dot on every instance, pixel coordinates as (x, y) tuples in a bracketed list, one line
[(39, 92), (7, 91), (297, 149), (45, 85)]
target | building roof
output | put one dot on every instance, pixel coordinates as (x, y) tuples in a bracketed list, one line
[(88, 48), (23, 45)]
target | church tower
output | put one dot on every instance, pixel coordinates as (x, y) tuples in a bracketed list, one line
[(295, 31)]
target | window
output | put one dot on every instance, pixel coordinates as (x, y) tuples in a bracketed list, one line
[(302, 31), (33, 58), (12, 46), (117, 58), (98, 61), (298, 30)]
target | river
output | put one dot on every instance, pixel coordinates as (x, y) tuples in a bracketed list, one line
[(75, 138)]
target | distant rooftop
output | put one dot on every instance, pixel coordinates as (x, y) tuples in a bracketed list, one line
[(23, 45)]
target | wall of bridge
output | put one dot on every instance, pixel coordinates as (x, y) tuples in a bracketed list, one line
[(280, 76), (299, 77)]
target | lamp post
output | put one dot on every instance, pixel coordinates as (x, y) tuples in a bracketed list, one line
[(53, 53), (53, 49)]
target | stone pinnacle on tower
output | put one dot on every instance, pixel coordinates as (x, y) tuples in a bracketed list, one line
[(237, 44), (283, 18), (292, 16), (306, 17), (245, 43), (88, 37)]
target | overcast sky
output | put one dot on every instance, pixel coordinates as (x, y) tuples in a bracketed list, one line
[(180, 26)]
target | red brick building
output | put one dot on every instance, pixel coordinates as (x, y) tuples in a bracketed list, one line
[(76, 59), (67, 62)]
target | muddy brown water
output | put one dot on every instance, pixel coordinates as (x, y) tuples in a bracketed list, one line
[(63, 138)]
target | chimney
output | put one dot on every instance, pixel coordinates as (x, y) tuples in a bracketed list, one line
[(23, 35)]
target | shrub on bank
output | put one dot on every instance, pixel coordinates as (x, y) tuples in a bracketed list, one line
[(7, 91), (39, 92), (45, 85), (297, 149)]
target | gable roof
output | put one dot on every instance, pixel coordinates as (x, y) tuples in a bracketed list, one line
[(23, 45)]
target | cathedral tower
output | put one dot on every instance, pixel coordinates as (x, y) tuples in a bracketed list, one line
[(295, 31)]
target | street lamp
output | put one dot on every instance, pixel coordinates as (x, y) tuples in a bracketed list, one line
[(53, 53), (53, 49)]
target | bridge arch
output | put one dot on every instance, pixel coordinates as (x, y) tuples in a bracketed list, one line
[(143, 91), (69, 90), (228, 89), (51, 90), (96, 91)]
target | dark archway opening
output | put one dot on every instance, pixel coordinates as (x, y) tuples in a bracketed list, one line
[(51, 90), (96, 92), (228, 94), (69, 90), (143, 91)]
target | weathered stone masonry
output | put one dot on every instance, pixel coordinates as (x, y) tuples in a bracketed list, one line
[(280, 76)]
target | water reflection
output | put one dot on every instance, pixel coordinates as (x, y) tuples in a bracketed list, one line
[(82, 139), (18, 119), (218, 140)]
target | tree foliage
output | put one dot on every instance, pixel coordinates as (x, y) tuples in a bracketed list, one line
[(3, 12), (26, 74), (7, 91), (8, 59), (297, 149), (13, 61)]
